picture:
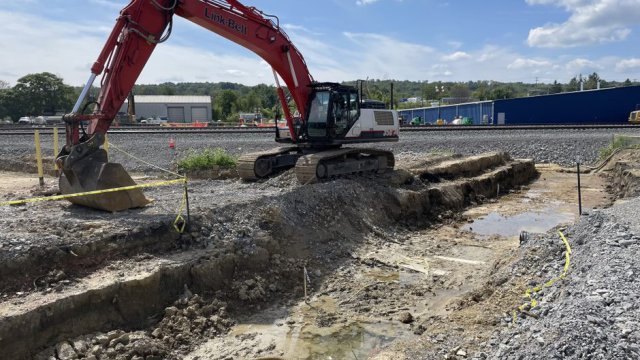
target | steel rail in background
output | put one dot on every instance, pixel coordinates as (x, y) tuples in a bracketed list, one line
[(26, 130)]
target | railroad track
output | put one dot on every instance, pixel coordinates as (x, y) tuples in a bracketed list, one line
[(27, 130)]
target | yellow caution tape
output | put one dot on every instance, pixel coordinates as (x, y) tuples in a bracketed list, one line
[(180, 223), (532, 291), (95, 192)]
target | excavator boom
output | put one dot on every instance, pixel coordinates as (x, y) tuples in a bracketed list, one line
[(142, 25)]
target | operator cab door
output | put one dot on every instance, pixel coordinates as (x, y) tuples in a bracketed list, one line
[(331, 115)]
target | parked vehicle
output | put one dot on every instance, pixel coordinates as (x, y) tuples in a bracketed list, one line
[(25, 120), (40, 120), (158, 120), (52, 120)]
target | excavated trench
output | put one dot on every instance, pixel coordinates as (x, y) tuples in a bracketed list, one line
[(131, 294)]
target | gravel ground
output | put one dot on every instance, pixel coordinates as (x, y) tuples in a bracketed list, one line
[(556, 146), (593, 314)]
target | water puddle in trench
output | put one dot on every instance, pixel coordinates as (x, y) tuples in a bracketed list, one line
[(313, 331), (538, 221)]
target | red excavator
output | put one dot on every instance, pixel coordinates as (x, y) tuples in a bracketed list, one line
[(331, 114)]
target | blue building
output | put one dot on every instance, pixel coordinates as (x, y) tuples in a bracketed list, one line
[(477, 111), (603, 106)]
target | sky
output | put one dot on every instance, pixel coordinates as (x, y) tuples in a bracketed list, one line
[(420, 40)]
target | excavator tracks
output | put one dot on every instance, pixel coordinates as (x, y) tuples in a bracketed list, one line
[(344, 161), (258, 165)]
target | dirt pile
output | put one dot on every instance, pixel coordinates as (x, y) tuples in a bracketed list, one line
[(185, 322)]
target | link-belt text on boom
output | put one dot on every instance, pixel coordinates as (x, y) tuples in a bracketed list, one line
[(217, 18)]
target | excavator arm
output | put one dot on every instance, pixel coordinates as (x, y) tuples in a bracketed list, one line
[(142, 25)]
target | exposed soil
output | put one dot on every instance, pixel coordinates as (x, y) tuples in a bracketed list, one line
[(386, 261)]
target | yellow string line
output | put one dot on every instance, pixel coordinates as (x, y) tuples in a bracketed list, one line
[(532, 291), (143, 161)]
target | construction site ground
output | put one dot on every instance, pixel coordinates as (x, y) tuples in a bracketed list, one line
[(416, 263)]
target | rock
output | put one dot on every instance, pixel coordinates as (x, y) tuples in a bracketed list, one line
[(65, 351), (461, 353), (80, 346), (96, 350), (406, 318)]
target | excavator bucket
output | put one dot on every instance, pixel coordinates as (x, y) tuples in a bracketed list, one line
[(95, 173)]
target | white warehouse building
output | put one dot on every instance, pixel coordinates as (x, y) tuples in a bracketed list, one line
[(175, 108)]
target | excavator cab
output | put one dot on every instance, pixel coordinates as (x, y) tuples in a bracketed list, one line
[(333, 108)]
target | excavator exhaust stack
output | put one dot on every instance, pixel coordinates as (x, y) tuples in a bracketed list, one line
[(95, 172)]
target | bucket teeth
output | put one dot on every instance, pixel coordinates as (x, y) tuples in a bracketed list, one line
[(95, 173)]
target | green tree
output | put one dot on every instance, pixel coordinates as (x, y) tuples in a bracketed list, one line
[(573, 85), (166, 89), (429, 92), (226, 103), (251, 102), (555, 88), (592, 81), (503, 92), (460, 91), (42, 93), (482, 92), (627, 83)]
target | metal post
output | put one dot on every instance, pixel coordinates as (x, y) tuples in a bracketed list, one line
[(39, 158), (186, 197), (391, 107), (579, 192), (106, 144), (55, 150)]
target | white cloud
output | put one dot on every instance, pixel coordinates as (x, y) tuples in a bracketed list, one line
[(581, 64), (294, 27), (590, 22), (521, 63), (628, 65), (69, 48), (365, 2), (455, 44), (458, 55)]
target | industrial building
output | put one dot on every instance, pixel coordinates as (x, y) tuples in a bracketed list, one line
[(175, 108), (602, 106)]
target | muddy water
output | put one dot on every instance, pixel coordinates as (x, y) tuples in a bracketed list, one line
[(530, 221), (307, 331)]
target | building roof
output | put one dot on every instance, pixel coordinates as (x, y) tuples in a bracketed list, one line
[(173, 99)]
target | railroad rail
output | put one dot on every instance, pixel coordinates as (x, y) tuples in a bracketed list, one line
[(28, 130)]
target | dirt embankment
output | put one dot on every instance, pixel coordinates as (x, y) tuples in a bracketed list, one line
[(624, 170)]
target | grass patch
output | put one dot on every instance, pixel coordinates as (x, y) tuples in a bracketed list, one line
[(619, 142), (206, 159)]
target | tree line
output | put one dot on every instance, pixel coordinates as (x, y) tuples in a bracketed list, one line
[(47, 94)]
